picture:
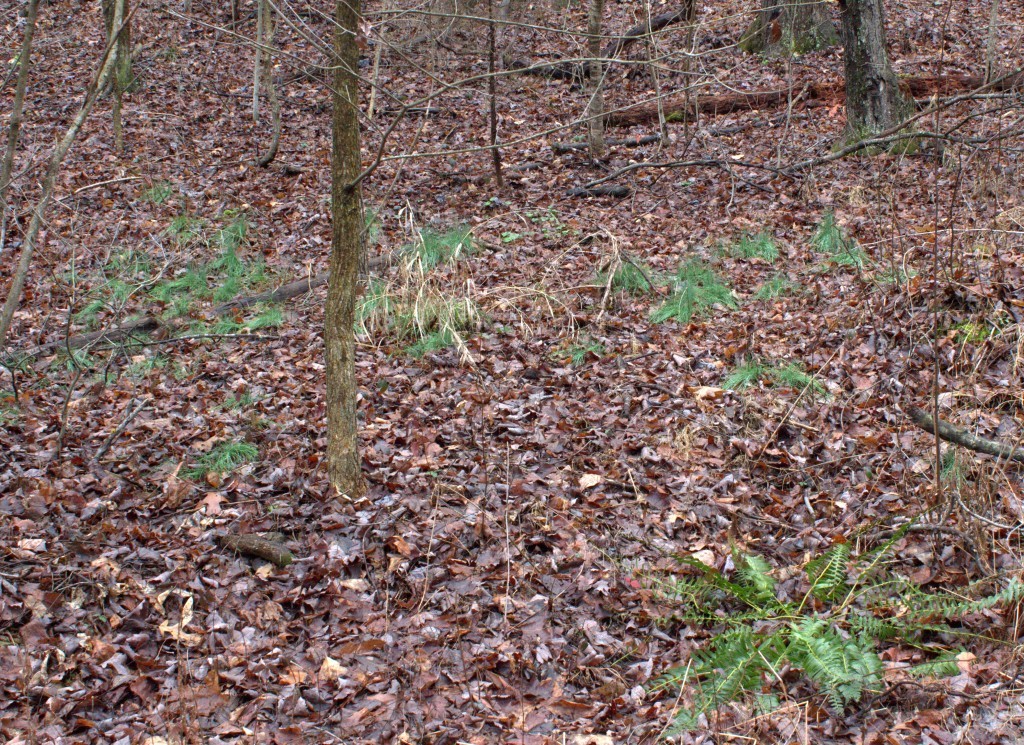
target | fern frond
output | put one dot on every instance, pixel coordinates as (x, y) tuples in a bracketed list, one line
[(943, 666), (827, 573), (754, 573)]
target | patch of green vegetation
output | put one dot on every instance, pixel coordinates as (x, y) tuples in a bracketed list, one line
[(375, 307), (745, 376), (78, 359), (953, 469), (973, 333), (510, 236), (158, 193), (432, 249), (629, 277), (583, 349), (224, 458), (897, 276), (237, 403), (432, 341), (184, 228), (831, 240), (760, 246), (551, 225), (776, 287), (9, 411), (141, 368), (831, 629), (695, 290), (267, 317), (790, 375)]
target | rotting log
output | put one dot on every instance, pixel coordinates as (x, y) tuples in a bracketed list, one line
[(957, 436), (248, 544), (679, 107)]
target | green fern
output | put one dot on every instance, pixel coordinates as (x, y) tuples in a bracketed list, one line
[(831, 632)]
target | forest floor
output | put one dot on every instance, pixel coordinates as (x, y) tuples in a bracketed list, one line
[(531, 480)]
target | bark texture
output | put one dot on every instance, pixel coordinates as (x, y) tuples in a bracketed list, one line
[(874, 101), (785, 27), (595, 87), (343, 464)]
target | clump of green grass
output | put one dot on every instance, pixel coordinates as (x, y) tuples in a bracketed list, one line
[(631, 278), (831, 239), (789, 375), (184, 228), (760, 246), (432, 249), (158, 193), (237, 403), (268, 317), (776, 287), (432, 341), (583, 349), (224, 458), (696, 289), (141, 368)]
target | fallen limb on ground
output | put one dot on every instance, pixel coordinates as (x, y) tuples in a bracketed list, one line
[(948, 432)]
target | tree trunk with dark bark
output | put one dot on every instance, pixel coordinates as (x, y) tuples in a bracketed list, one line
[(787, 27), (343, 464), (874, 101)]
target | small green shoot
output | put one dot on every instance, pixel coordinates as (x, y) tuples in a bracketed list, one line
[(631, 278), (746, 375), (776, 287), (760, 246), (510, 236), (237, 403), (585, 349), (432, 341), (831, 239), (432, 249), (695, 291), (184, 228), (790, 375), (158, 193), (224, 458), (143, 365)]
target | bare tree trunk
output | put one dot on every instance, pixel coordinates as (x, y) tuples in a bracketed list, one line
[(991, 66), (266, 71), (114, 13), (28, 246), (14, 128), (492, 86), (787, 27), (343, 464), (595, 82), (258, 63), (874, 101)]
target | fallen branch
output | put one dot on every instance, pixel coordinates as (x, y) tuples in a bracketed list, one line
[(683, 106), (565, 147), (614, 190), (948, 432), (254, 545)]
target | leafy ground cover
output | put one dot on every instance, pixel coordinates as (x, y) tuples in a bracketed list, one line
[(538, 438)]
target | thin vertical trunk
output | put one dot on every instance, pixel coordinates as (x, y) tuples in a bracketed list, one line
[(267, 73), (258, 63), (874, 101), (595, 81), (60, 151), (991, 66), (492, 86), (14, 128), (343, 464), (119, 33)]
